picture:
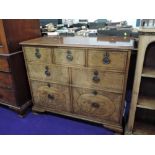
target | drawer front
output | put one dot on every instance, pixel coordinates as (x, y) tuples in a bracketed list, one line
[(7, 96), (4, 65), (51, 73), (37, 54), (107, 59), (99, 79), (97, 105), (6, 80), (50, 95), (69, 56)]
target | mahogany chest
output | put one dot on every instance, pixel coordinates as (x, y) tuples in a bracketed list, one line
[(79, 77), (14, 87)]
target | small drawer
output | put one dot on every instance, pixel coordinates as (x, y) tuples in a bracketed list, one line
[(51, 73), (38, 54), (99, 79), (7, 96), (6, 80), (114, 60), (69, 56), (52, 96), (4, 64), (97, 105)]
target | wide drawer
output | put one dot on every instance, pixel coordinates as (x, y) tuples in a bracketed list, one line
[(7, 96), (107, 59), (4, 64), (50, 95), (51, 73), (99, 79), (69, 56), (38, 54), (6, 80), (97, 105)]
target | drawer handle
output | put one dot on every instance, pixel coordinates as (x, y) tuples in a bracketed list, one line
[(69, 56), (49, 85), (96, 77), (37, 54), (106, 59), (47, 73), (51, 97), (95, 92), (95, 105)]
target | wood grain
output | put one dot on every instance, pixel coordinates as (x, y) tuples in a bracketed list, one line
[(82, 42), (107, 104), (148, 72), (109, 81), (6, 80), (14, 87), (146, 102), (38, 54), (3, 40), (117, 59), (8, 96), (16, 30), (144, 41), (55, 73), (4, 64), (78, 56), (94, 91), (51, 95)]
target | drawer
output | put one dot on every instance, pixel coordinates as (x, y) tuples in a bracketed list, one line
[(37, 54), (97, 105), (51, 95), (4, 64), (6, 80), (7, 96), (51, 73), (99, 79), (69, 56), (114, 60)]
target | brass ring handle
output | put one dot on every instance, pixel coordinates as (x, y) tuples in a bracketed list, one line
[(69, 56), (95, 105), (37, 54), (106, 59), (49, 85), (51, 97), (47, 73), (95, 92), (96, 76), (96, 79)]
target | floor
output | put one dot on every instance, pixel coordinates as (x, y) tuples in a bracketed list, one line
[(46, 124)]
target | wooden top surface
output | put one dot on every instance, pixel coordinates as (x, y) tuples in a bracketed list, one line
[(79, 41)]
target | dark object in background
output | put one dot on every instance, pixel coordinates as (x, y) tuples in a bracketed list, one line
[(14, 87), (93, 25), (55, 22), (114, 32), (80, 25), (65, 34), (92, 34)]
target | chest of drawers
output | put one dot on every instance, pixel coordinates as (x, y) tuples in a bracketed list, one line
[(14, 87), (79, 77)]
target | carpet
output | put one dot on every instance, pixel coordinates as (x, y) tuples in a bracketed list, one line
[(46, 124)]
